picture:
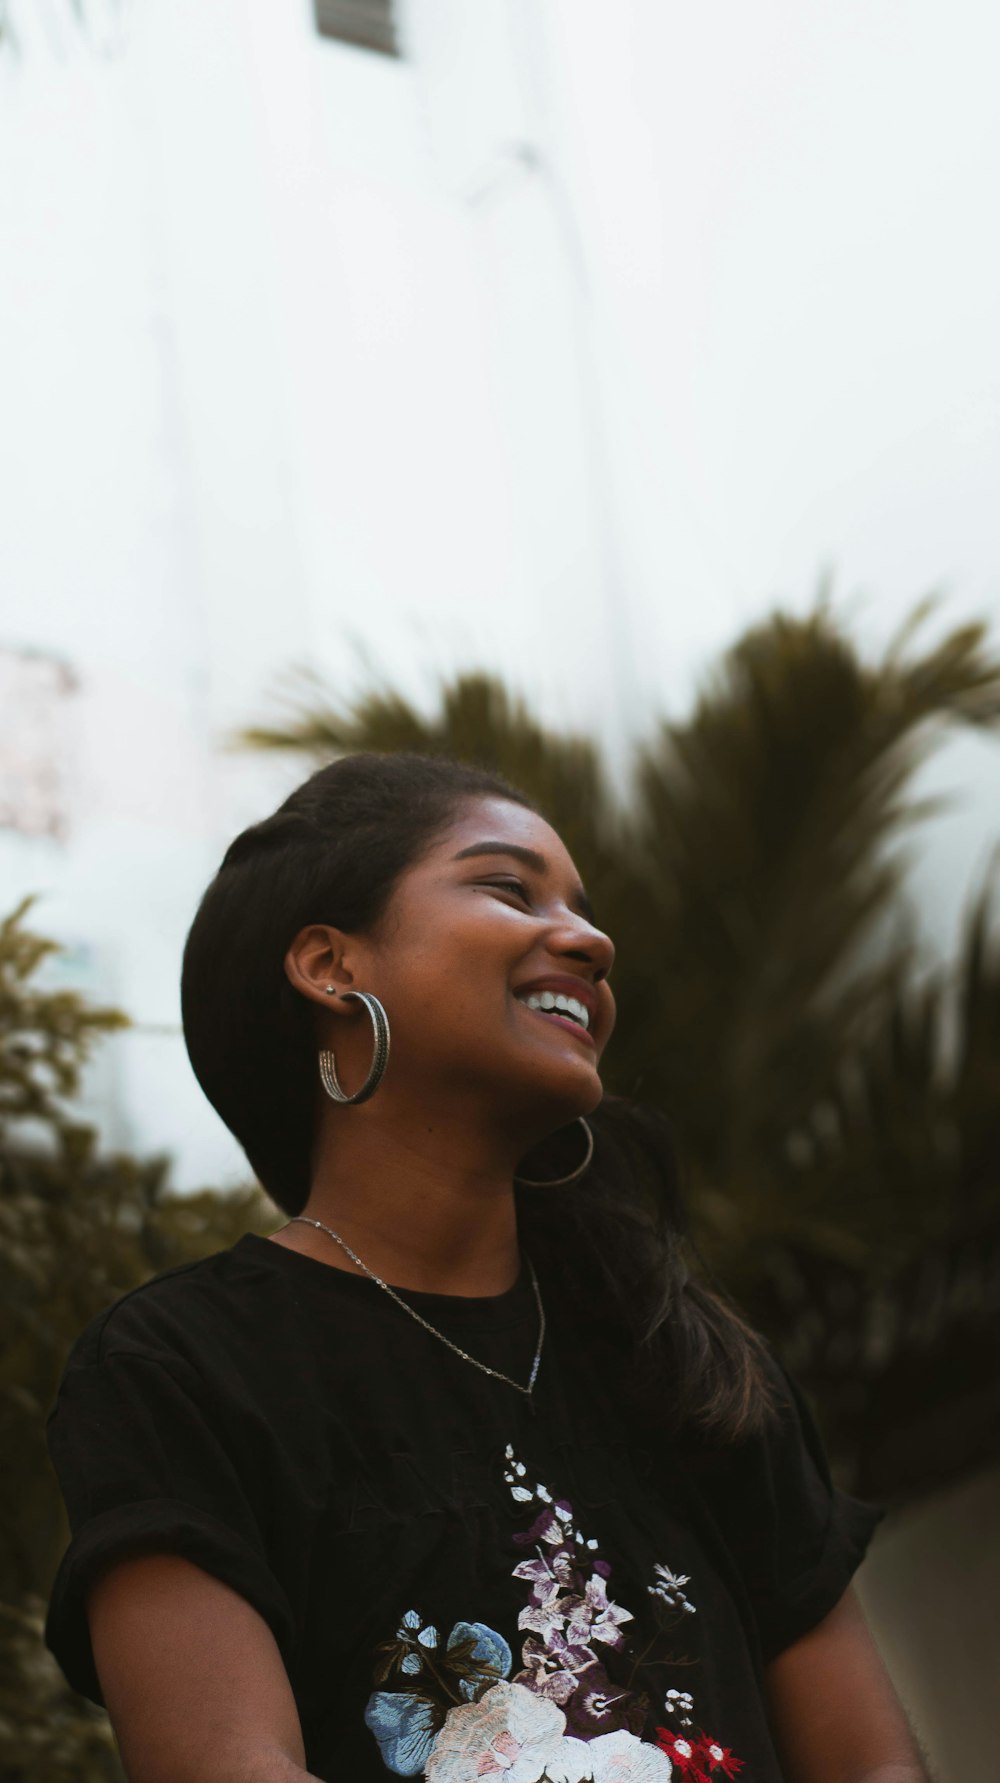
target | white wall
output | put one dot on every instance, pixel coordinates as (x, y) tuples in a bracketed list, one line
[(565, 345), (929, 1590)]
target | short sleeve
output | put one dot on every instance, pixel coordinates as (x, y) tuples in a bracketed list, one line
[(144, 1468), (796, 1539)]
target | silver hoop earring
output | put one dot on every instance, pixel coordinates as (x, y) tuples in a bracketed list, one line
[(380, 1055), (556, 1182)]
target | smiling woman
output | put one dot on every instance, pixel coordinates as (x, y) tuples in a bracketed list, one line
[(462, 1472)]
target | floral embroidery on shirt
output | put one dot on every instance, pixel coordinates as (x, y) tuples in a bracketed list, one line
[(700, 1759), (574, 1712), (406, 1722)]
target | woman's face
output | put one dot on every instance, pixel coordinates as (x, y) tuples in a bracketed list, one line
[(479, 938)]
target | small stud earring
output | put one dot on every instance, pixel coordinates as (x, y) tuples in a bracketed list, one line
[(331, 990)]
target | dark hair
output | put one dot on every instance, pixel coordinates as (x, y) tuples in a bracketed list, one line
[(333, 853)]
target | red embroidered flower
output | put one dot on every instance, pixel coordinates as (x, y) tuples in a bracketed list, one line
[(685, 1754), (698, 1761), (717, 1758)]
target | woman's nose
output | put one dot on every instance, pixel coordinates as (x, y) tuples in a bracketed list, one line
[(582, 940)]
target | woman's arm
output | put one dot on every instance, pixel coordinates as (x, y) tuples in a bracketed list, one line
[(192, 1678), (834, 1713)]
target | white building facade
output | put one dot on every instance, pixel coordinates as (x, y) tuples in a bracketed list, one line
[(562, 343)]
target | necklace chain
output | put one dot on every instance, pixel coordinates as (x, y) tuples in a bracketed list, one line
[(302, 1219)]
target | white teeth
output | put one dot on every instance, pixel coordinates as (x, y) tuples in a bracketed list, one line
[(548, 1000)]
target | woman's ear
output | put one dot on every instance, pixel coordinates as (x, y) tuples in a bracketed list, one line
[(317, 965)]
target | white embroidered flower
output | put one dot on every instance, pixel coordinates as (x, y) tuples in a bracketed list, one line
[(623, 1758), (571, 1762), (717, 1753), (553, 1533), (508, 1735), (669, 1587), (671, 1578)]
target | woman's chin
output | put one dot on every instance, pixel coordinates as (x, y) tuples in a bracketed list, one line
[(562, 1094)]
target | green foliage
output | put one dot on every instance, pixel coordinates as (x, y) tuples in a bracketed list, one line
[(833, 1095), (77, 1230), (45, 1035)]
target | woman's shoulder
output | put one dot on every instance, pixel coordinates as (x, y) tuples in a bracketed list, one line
[(794, 1535), (177, 1314)]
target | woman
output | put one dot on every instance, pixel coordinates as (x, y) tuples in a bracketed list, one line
[(458, 1474)]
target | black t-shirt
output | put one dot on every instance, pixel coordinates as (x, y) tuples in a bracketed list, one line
[(462, 1585)]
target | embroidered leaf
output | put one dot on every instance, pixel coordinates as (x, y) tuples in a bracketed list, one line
[(389, 1657)]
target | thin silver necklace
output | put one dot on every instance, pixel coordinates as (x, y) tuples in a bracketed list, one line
[(301, 1219)]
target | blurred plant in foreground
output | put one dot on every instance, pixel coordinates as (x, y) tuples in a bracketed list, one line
[(77, 1230)]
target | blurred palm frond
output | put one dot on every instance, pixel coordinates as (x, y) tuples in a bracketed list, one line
[(834, 1095)]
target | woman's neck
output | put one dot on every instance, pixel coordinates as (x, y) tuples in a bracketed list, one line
[(426, 1208)]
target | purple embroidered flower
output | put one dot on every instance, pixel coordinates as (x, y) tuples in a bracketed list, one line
[(545, 1616), (571, 1658), (545, 1528), (553, 1670), (559, 1567), (598, 1705), (542, 1675), (593, 1618), (540, 1571)]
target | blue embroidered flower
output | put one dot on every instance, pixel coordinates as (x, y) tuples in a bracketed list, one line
[(403, 1726), (486, 1653)]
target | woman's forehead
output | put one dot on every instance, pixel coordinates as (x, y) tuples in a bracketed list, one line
[(498, 820)]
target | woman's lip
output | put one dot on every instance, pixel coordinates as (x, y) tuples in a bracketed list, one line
[(552, 1015)]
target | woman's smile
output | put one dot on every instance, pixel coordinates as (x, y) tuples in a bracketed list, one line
[(563, 998), (563, 1021)]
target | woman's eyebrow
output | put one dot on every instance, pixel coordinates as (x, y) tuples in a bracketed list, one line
[(531, 858)]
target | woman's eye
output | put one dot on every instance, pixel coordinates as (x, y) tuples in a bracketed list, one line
[(509, 885)]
